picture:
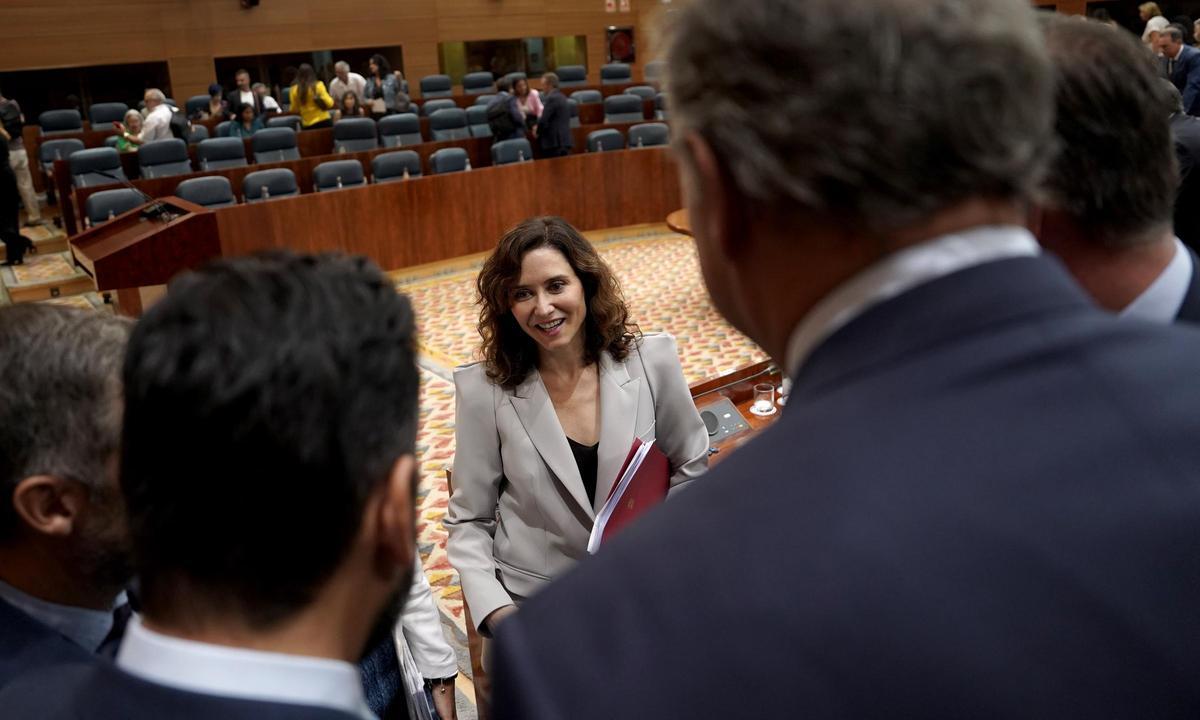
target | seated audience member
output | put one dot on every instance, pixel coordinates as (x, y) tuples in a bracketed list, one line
[(345, 82), (216, 107), (157, 124), (349, 106), (505, 119), (553, 129), (983, 498), (268, 474), (528, 101), (382, 93), (545, 422), (265, 101), (1109, 195), (243, 93), (133, 126), (64, 557), (1185, 129), (246, 124), (310, 99), (1182, 67)]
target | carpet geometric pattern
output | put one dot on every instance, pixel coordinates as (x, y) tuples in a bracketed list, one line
[(660, 277), (43, 268)]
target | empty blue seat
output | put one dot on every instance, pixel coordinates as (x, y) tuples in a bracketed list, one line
[(571, 75), (198, 133), (449, 124), (645, 92), (221, 152), (61, 149), (653, 71), (648, 135), (402, 129), (284, 121), (477, 121), (338, 174), (574, 105), (435, 86), (477, 83), (660, 106), (269, 185), (57, 122), (615, 74), (449, 160), (195, 105), (106, 113), (354, 135), (106, 204), (485, 99), (112, 141), (607, 139), (96, 166), (432, 106), (222, 128), (274, 145), (623, 108), (511, 151), (587, 97), (391, 166), (210, 192), (163, 158)]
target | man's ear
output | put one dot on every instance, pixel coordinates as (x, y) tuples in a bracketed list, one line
[(50, 505), (397, 517), (712, 199)]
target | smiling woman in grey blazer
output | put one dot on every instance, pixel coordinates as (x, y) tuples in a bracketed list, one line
[(544, 423)]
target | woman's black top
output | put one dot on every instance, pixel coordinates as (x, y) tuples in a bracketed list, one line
[(586, 457)]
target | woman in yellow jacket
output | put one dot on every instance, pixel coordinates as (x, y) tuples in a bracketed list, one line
[(310, 98)]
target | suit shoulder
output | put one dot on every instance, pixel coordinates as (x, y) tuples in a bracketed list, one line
[(472, 385)]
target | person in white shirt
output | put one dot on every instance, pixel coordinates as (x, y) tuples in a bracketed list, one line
[(1108, 200), (345, 81), (157, 125), (268, 103), (268, 473)]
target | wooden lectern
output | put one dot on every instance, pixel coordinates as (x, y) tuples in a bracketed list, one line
[(137, 252)]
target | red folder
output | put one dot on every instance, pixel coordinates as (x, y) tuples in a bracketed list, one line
[(637, 489)]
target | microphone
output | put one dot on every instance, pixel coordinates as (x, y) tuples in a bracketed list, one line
[(156, 209)]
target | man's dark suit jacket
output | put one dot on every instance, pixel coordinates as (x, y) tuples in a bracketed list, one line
[(1185, 130), (554, 126), (234, 98), (982, 500), (1186, 77), (27, 644), (101, 691), (1189, 311)]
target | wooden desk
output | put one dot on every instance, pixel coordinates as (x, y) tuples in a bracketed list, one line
[(738, 387)]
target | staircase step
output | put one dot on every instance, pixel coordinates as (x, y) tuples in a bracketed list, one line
[(45, 276)]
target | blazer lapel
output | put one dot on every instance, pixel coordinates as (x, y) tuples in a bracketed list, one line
[(533, 406), (619, 395)]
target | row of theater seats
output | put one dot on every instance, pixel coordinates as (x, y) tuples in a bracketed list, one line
[(164, 158), (274, 183)]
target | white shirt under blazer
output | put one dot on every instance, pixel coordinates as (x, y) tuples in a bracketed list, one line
[(520, 515)]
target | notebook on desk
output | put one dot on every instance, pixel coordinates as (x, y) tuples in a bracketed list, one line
[(642, 483)]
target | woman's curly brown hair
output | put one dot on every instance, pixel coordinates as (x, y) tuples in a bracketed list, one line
[(508, 352)]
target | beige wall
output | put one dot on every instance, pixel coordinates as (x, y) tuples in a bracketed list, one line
[(188, 34)]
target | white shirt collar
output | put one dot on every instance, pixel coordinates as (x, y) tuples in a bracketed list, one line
[(241, 673), (85, 627), (1161, 301), (900, 272)]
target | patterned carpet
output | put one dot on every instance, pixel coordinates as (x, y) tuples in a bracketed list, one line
[(660, 276)]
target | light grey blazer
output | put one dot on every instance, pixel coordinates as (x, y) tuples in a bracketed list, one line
[(519, 515)]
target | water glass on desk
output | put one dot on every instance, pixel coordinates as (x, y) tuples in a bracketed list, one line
[(764, 399)]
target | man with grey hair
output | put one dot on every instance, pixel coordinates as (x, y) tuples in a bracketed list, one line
[(1182, 66), (1108, 198), (345, 81), (63, 548), (157, 125), (982, 498)]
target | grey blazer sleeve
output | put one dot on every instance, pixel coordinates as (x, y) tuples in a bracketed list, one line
[(679, 432), (478, 473)]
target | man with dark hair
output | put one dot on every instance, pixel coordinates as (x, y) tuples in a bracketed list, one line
[(983, 497), (504, 117), (1182, 67), (268, 473), (64, 556), (1108, 197), (553, 129), (243, 93)]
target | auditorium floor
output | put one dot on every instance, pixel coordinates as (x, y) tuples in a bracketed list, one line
[(661, 280)]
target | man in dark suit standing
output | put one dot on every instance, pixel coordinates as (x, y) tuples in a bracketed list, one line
[(243, 93), (1182, 66), (1185, 129), (553, 129), (983, 497), (1108, 199), (64, 556), (268, 473)]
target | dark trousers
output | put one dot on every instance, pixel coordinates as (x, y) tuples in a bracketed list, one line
[(15, 243), (555, 152), (318, 125)]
